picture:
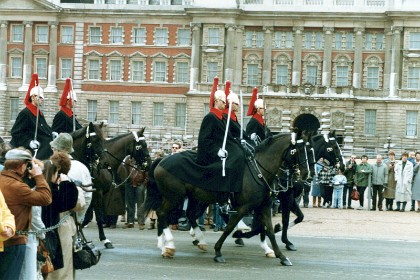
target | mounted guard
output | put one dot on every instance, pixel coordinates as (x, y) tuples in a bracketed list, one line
[(256, 126)]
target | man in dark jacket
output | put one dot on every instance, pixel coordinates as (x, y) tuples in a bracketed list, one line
[(26, 132), (349, 172), (64, 120)]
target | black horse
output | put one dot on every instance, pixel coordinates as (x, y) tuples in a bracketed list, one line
[(325, 146), (274, 153)]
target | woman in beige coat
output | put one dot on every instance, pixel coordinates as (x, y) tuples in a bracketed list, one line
[(389, 190)]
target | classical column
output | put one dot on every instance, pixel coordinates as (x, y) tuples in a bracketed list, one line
[(237, 80), (27, 56), (388, 55), (297, 56), (3, 55), (52, 58), (268, 39), (195, 54), (358, 58), (394, 81), (326, 65), (229, 51)]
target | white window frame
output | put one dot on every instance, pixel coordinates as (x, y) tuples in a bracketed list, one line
[(414, 41), (94, 74), (138, 70), (158, 113), (370, 121), (92, 110), (136, 113), (41, 34), (312, 78), (66, 70), (282, 78), (180, 114), (67, 34), (114, 112), (116, 35), (97, 37), (139, 36), (342, 77), (212, 71), (184, 37), (214, 36), (14, 108), (160, 71), (413, 78), (16, 73), (252, 74), (161, 36), (15, 37), (182, 72), (372, 81), (411, 123), (115, 69), (41, 67)]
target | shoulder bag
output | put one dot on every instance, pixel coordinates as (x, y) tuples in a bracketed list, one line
[(85, 253), (355, 195)]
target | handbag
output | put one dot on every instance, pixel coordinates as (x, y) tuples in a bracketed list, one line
[(43, 256), (85, 253), (355, 195)]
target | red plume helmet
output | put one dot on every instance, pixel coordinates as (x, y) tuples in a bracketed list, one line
[(213, 90), (34, 83), (66, 92), (252, 102)]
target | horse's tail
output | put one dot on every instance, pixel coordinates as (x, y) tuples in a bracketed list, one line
[(153, 195)]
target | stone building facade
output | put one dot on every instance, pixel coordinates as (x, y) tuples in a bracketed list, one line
[(354, 64)]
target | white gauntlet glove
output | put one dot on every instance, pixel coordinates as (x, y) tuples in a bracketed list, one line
[(54, 135), (222, 153), (34, 145)]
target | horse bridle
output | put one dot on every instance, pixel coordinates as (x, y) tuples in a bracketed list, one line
[(93, 157), (332, 150)]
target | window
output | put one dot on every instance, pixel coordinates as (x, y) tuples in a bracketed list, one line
[(313, 40), (259, 39), (184, 37), (93, 69), (139, 36), (311, 74), (248, 39), (116, 35), (158, 114), (214, 36), (411, 123), (342, 79), (344, 40), (14, 108), (137, 71), (161, 36), (413, 78), (67, 34), (182, 75), (211, 71), (283, 40), (254, 39), (372, 78), (180, 115), (282, 74), (17, 33), (42, 34), (136, 113), (66, 68), (252, 74), (374, 41), (95, 35), (160, 71), (92, 109), (115, 70), (41, 67), (414, 42), (113, 111), (370, 122), (16, 67)]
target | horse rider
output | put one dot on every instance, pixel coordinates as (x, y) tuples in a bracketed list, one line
[(64, 120), (256, 127), (30, 129)]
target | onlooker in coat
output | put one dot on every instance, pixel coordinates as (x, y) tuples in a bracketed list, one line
[(349, 172), (338, 181), (379, 181), (20, 199), (326, 176), (316, 189), (389, 190), (415, 163), (416, 183), (403, 177), (361, 179), (7, 224)]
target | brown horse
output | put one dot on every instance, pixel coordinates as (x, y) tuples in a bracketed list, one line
[(274, 153)]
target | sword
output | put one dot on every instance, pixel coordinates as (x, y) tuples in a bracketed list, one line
[(242, 115), (37, 120), (72, 100), (224, 139)]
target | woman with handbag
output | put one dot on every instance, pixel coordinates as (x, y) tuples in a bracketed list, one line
[(59, 241)]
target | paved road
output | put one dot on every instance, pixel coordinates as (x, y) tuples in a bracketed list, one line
[(319, 255)]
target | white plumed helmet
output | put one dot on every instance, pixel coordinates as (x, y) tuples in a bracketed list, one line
[(34, 91), (220, 95), (259, 104), (233, 98)]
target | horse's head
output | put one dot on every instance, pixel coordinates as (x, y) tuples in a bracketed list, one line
[(140, 152), (88, 143), (326, 146), (299, 159)]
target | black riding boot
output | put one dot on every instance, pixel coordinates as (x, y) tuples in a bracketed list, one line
[(403, 206), (398, 206)]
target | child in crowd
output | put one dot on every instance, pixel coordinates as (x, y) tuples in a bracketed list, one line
[(339, 181)]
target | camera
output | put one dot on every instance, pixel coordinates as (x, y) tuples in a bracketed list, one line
[(29, 165)]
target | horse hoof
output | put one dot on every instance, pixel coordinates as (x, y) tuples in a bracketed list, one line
[(277, 228), (270, 255), (202, 247), (219, 259), (239, 242), (195, 242), (237, 234), (169, 253), (108, 245), (286, 262), (291, 247)]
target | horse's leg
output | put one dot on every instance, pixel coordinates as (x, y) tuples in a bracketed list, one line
[(195, 210), (294, 208), (98, 207), (165, 237), (266, 221)]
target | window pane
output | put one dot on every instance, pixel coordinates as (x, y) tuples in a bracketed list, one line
[(41, 67), (213, 36), (248, 39), (92, 110), (42, 34), (379, 41), (415, 40), (349, 41), (282, 74), (413, 78), (318, 40), (66, 68), (161, 36), (411, 123), (373, 78), (252, 74), (136, 113), (289, 40), (338, 42), (342, 76), (184, 37), (211, 71), (113, 111), (311, 74), (116, 35), (182, 75), (93, 70), (139, 36), (160, 71), (17, 33), (16, 65), (138, 71), (115, 70), (180, 115), (370, 122), (158, 114), (368, 43), (260, 39), (308, 40), (67, 34), (95, 35), (14, 108)]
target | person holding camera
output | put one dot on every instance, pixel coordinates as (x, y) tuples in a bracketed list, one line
[(389, 189), (20, 198)]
